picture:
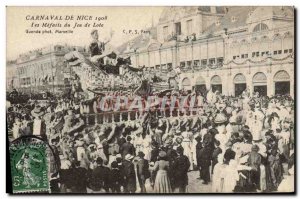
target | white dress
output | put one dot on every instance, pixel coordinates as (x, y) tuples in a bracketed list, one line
[(147, 147), (187, 146), (223, 139), (231, 177), (16, 130), (138, 144), (217, 178), (257, 124)]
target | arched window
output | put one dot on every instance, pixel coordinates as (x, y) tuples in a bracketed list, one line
[(200, 81), (186, 82), (239, 79), (215, 80), (260, 27), (259, 78), (281, 76)]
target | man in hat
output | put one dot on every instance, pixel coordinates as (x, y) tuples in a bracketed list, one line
[(143, 171), (254, 161), (97, 47), (285, 138), (99, 177), (171, 157), (122, 139), (199, 146), (127, 147), (205, 157), (115, 178), (181, 168), (154, 151), (129, 174), (39, 126), (79, 179)]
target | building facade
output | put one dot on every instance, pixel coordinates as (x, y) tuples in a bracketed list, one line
[(44, 69), (12, 80), (222, 48)]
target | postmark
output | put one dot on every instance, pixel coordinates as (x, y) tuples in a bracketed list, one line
[(29, 166)]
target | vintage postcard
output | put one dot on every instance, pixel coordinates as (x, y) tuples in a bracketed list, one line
[(150, 100)]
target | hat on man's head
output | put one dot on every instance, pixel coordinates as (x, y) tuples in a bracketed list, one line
[(99, 160), (229, 144), (220, 118), (179, 140), (257, 105), (154, 143), (198, 138), (178, 132), (128, 139), (257, 139), (162, 154), (179, 149), (118, 155), (92, 147), (169, 141), (141, 154), (37, 111), (129, 157), (114, 165)]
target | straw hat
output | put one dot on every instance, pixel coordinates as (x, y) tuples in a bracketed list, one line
[(162, 154), (37, 111), (220, 118), (179, 140), (129, 157)]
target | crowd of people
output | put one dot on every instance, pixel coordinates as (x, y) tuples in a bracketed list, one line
[(242, 144)]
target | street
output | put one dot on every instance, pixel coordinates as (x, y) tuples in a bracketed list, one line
[(195, 185)]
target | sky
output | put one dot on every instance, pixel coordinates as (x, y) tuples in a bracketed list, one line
[(119, 19)]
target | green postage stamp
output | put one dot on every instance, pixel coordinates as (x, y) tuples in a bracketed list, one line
[(29, 166)]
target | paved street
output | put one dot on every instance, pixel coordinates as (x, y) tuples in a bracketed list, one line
[(195, 185)]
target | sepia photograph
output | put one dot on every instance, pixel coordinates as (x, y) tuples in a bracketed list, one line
[(150, 100)]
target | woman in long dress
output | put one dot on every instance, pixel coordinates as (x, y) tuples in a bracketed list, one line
[(147, 147), (217, 175), (162, 181), (231, 177), (187, 146)]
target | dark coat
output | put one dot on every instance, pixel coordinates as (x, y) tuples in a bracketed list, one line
[(99, 178), (198, 149), (66, 177), (121, 141), (143, 169), (115, 179), (96, 49), (127, 148), (154, 154), (205, 156), (215, 154), (208, 140), (129, 176), (79, 180), (171, 154), (181, 168)]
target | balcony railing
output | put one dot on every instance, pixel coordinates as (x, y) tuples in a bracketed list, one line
[(137, 115)]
